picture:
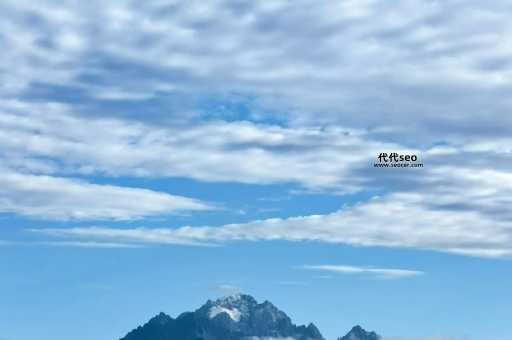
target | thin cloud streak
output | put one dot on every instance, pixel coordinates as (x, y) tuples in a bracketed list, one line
[(134, 235), (72, 244), (390, 273), (88, 244)]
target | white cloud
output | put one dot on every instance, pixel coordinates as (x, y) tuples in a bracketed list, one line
[(69, 199), (458, 203), (390, 273), (455, 217), (422, 71), (420, 64), (49, 138), (72, 244), (227, 289), (131, 235)]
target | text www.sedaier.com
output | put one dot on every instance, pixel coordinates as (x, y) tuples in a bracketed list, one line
[(396, 160)]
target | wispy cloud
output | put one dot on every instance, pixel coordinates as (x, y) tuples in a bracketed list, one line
[(420, 220), (48, 197), (86, 244), (390, 273), (293, 283), (71, 244), (227, 289), (127, 235)]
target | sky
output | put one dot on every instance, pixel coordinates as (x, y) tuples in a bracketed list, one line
[(154, 155)]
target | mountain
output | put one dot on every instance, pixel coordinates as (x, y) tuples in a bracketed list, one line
[(358, 333), (237, 317)]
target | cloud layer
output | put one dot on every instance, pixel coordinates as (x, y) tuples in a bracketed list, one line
[(457, 203), (82, 86), (50, 138), (438, 68)]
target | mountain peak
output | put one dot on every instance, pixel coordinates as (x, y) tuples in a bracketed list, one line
[(160, 318), (234, 317), (357, 329), (359, 333), (236, 306), (235, 299)]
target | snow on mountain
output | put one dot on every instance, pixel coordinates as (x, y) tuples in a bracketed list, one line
[(234, 313)]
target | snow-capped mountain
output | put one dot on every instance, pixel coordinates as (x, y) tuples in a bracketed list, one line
[(237, 317)]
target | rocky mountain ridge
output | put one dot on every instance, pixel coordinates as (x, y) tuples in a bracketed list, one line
[(236, 317)]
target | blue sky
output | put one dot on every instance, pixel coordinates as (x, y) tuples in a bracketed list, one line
[(153, 156)]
